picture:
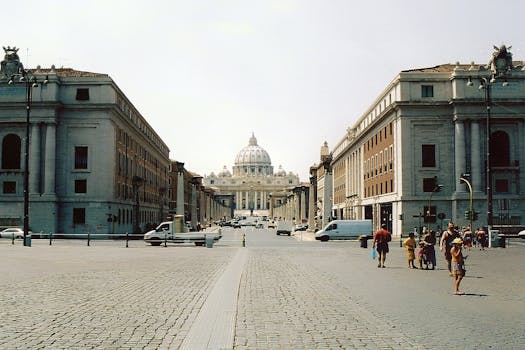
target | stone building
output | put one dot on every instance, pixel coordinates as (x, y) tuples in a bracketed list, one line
[(189, 197), (402, 161), (95, 164), (252, 181)]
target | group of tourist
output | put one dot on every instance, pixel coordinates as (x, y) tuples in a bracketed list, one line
[(451, 243)]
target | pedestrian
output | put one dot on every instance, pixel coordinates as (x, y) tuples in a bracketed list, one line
[(458, 265), (467, 237), (381, 239), (410, 246), (430, 241), (445, 244), (482, 238)]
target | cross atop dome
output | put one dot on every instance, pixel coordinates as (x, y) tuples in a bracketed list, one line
[(253, 140)]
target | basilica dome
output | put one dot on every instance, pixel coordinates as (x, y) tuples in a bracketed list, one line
[(253, 154), (253, 160)]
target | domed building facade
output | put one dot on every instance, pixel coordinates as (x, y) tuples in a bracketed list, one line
[(252, 181)]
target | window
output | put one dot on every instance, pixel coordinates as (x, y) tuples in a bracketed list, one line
[(9, 187), (427, 91), (429, 184), (11, 151), (80, 186), (83, 94), (429, 215), (79, 216), (428, 156), (500, 149), (81, 157), (502, 185)]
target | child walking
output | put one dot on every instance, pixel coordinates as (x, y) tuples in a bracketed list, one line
[(410, 246), (458, 269)]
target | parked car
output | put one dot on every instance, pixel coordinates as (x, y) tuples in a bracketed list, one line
[(300, 227), (521, 234), (236, 224), (271, 224), (13, 231), (284, 227)]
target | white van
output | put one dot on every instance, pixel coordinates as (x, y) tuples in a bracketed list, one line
[(344, 229)]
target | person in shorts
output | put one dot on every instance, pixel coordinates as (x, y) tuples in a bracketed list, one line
[(381, 239), (458, 266)]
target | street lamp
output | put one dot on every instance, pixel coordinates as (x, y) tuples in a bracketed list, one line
[(436, 188), (14, 70), (466, 179), (500, 64)]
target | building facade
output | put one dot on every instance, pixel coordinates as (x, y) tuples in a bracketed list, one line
[(95, 164), (252, 181), (402, 161)]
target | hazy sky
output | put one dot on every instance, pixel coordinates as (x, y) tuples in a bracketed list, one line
[(207, 73)]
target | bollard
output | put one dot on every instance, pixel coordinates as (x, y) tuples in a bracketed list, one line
[(13, 239), (165, 239), (50, 238), (127, 238), (88, 238), (244, 239)]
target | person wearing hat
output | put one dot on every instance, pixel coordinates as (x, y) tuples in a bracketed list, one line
[(458, 267)]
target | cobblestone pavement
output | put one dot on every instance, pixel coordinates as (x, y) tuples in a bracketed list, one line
[(293, 293), (331, 295), (104, 296)]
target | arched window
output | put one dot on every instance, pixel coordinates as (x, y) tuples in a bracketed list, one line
[(499, 149), (11, 151)]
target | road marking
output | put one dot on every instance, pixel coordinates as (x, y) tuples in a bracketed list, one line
[(214, 327)]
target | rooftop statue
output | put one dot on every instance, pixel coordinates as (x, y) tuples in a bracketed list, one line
[(501, 60), (11, 63)]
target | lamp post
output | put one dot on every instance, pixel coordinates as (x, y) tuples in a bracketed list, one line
[(436, 188), (13, 69), (500, 64), (466, 179)]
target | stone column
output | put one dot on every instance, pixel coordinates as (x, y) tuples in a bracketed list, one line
[(193, 205), (459, 155), (311, 204), (50, 159), (34, 158), (327, 202), (180, 188), (475, 156), (303, 204)]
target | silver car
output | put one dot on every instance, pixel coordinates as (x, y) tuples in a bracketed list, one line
[(13, 231)]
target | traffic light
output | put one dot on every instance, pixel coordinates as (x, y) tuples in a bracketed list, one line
[(475, 217), (467, 214)]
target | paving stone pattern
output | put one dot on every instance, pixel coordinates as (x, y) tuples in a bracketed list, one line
[(105, 297)]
